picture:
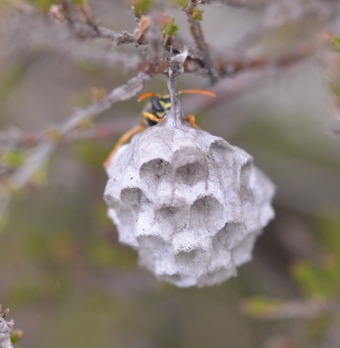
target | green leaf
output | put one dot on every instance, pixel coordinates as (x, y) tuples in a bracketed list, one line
[(141, 6), (42, 5), (197, 14), (79, 2), (171, 27), (181, 3), (16, 336)]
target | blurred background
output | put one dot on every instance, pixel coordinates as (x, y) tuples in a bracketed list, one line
[(63, 274)]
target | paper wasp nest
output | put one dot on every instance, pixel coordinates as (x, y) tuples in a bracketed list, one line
[(191, 204)]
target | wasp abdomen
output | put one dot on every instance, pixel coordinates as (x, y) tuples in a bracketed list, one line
[(156, 104)]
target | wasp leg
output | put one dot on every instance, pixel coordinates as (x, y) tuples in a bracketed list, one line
[(148, 116), (191, 120), (124, 139)]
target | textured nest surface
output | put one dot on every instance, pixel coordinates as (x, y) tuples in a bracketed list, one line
[(189, 202)]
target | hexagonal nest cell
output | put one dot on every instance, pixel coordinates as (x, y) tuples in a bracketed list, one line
[(191, 204)]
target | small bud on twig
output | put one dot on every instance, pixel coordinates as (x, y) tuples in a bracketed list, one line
[(57, 12), (141, 30)]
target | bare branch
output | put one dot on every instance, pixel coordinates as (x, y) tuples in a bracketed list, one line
[(125, 92), (231, 66), (118, 39), (86, 10), (197, 34), (42, 152), (14, 138), (57, 38)]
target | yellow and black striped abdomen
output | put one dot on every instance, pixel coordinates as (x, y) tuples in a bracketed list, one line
[(156, 109)]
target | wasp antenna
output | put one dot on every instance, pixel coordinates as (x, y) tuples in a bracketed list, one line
[(198, 91), (145, 95)]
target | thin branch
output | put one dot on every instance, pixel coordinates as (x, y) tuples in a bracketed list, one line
[(124, 92), (42, 152), (229, 67), (98, 56), (197, 34), (14, 138), (87, 12), (68, 12), (118, 39), (56, 37), (234, 65)]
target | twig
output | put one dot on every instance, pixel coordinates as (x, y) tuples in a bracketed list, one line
[(57, 38), (234, 65), (97, 56), (17, 139), (197, 34), (41, 153), (68, 12), (231, 66), (86, 10), (118, 39), (124, 92)]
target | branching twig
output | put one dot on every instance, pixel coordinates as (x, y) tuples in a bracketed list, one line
[(86, 10), (235, 65), (118, 39), (124, 92), (197, 34), (21, 177)]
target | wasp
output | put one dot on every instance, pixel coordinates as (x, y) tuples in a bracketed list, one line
[(153, 113)]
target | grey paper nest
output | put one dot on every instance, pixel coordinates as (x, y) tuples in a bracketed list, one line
[(190, 203)]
